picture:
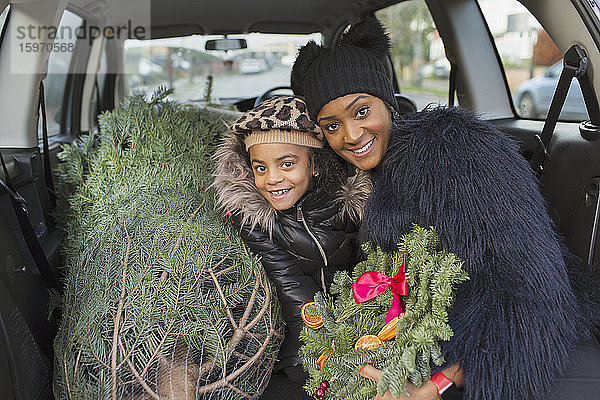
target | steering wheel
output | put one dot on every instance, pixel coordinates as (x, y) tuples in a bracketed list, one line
[(269, 93)]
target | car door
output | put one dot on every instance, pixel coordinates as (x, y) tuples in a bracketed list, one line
[(27, 327)]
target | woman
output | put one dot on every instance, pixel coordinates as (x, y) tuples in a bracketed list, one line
[(518, 323), (293, 206)]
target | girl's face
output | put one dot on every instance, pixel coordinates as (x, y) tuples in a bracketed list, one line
[(282, 172), (357, 127)]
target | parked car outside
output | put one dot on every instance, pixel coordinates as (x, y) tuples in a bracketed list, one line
[(441, 68), (534, 96), (252, 66)]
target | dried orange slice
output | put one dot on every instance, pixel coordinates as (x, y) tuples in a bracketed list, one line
[(310, 317), (368, 342), (322, 360), (388, 332)]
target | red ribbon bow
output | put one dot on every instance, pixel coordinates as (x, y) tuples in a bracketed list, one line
[(371, 284)]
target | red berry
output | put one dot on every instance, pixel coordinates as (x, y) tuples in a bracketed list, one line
[(320, 393), (324, 385)]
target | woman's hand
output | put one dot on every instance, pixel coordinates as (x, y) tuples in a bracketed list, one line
[(426, 392)]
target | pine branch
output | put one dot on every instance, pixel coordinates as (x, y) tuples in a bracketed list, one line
[(236, 373), (117, 320), (222, 297), (67, 379), (138, 377), (238, 391)]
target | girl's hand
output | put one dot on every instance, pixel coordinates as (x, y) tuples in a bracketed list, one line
[(426, 392)]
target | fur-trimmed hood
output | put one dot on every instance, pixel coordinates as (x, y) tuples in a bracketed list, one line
[(237, 193)]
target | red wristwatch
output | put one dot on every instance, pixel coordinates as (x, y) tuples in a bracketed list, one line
[(441, 382)]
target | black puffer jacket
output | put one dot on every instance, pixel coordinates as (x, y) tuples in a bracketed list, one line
[(314, 238)]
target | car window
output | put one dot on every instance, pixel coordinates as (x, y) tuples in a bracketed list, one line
[(532, 61), (417, 51), (215, 75), (58, 70)]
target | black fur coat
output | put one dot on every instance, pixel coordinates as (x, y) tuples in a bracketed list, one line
[(518, 317)]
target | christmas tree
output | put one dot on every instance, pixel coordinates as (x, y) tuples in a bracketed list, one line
[(161, 299), (403, 340)]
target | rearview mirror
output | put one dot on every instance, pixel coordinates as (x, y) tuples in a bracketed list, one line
[(225, 44)]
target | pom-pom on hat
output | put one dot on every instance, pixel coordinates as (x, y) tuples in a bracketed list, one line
[(279, 120), (354, 65)]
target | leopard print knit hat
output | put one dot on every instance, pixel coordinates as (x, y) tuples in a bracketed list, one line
[(279, 120)]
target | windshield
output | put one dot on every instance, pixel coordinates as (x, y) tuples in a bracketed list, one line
[(214, 76)]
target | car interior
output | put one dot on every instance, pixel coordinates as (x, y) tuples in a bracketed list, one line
[(37, 114)]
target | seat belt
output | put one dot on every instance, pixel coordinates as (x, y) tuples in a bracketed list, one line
[(46, 148), (31, 240), (575, 65)]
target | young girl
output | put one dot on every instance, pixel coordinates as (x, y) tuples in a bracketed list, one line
[(293, 205)]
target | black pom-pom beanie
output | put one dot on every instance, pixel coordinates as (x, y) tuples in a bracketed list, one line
[(353, 66)]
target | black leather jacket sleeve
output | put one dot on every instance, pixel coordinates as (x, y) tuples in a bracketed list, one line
[(294, 287)]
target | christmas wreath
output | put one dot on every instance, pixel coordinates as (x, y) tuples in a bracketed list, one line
[(399, 330)]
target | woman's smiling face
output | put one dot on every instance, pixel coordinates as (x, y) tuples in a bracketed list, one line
[(282, 172), (357, 127)]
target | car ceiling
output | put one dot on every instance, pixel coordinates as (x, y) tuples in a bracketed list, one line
[(170, 18)]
